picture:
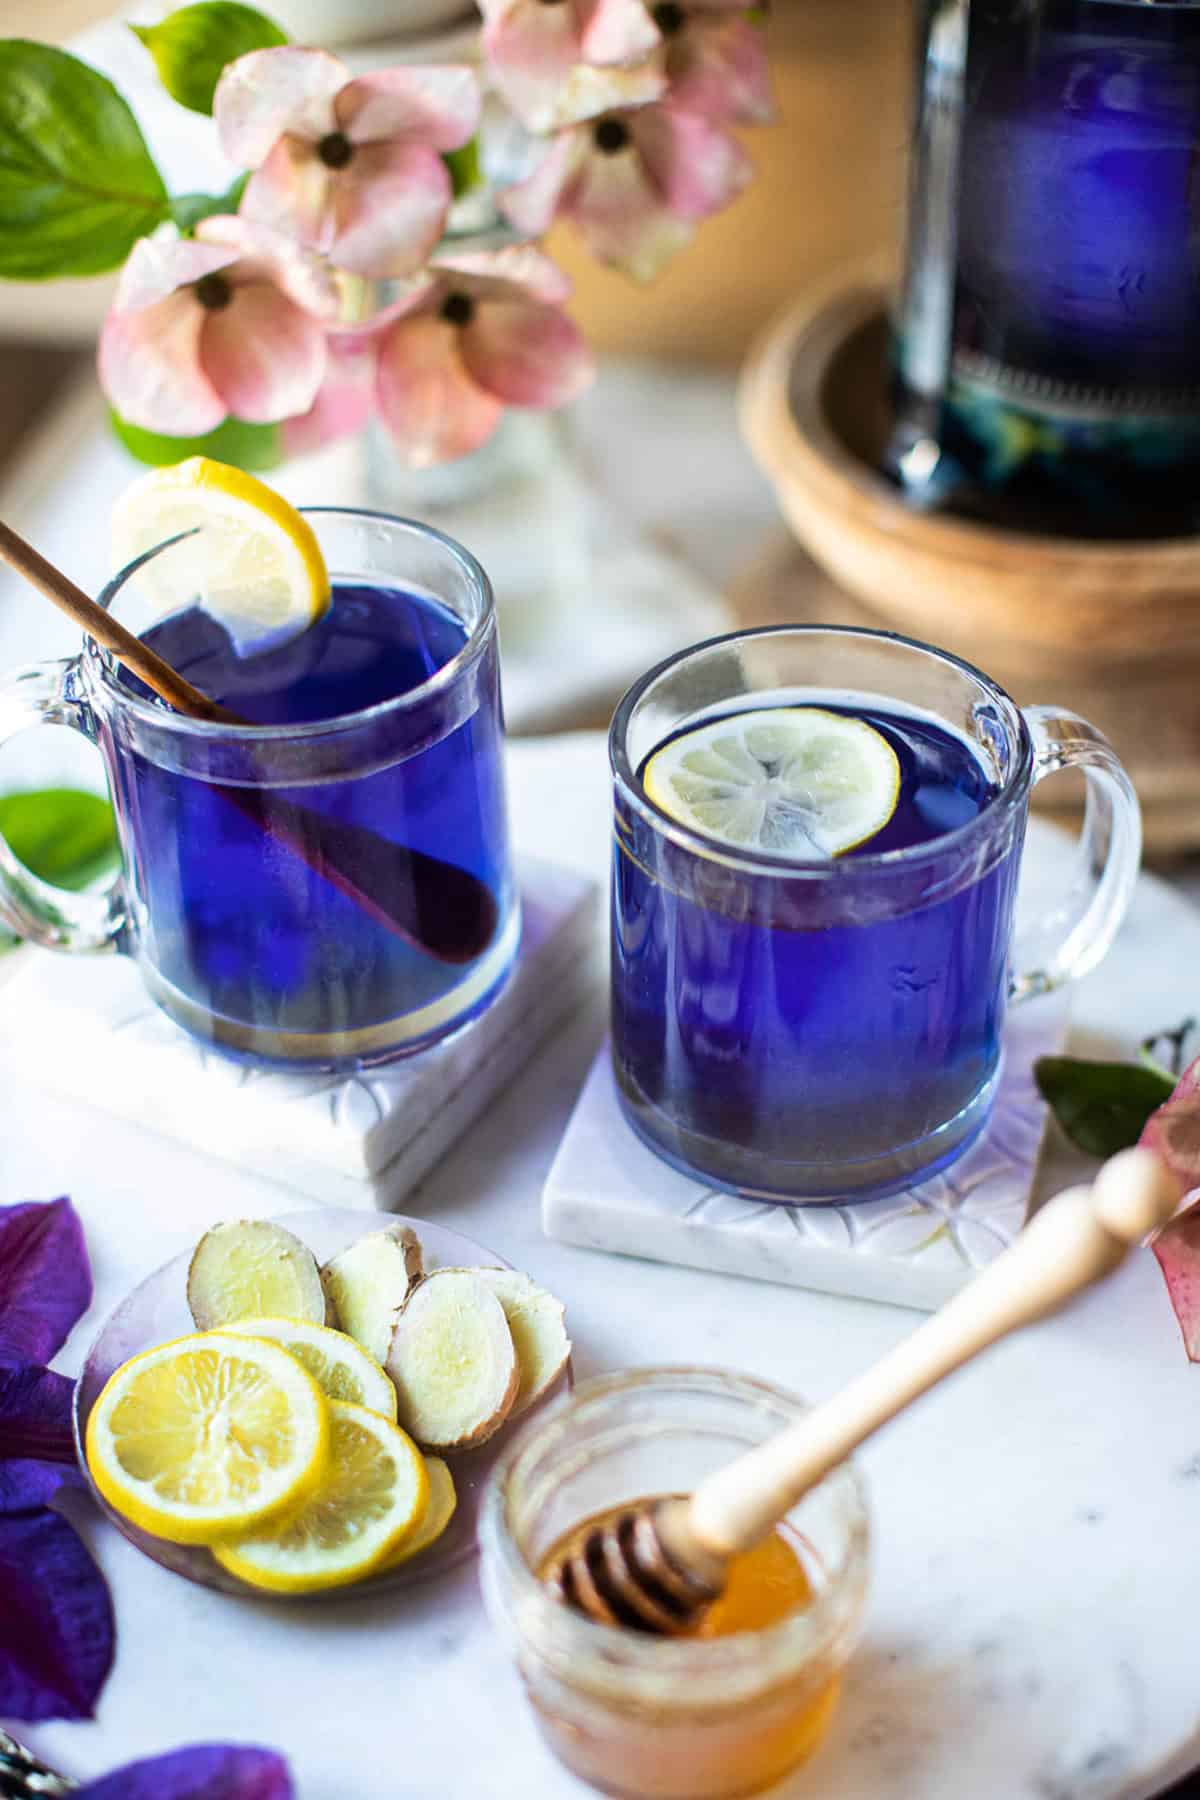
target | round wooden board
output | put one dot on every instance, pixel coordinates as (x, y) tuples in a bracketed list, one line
[(1111, 631)]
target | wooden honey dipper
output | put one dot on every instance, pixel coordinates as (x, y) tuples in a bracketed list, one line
[(660, 1564)]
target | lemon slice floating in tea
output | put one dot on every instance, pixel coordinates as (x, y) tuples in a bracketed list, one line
[(791, 780), (254, 562)]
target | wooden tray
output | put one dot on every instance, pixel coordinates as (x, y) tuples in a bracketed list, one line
[(1109, 630)]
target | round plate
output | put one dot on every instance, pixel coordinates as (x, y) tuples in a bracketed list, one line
[(157, 1311)]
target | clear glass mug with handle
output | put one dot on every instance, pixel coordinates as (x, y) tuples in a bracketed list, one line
[(330, 893), (829, 1029)]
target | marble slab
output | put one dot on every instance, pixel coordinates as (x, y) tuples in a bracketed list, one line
[(86, 1027), (608, 1191)]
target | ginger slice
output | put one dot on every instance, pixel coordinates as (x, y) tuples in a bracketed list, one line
[(369, 1282), (453, 1361), (535, 1319), (252, 1269)]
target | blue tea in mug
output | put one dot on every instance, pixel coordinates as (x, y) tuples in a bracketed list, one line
[(790, 1037), (355, 913)]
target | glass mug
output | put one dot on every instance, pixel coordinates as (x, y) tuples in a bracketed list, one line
[(829, 1030), (332, 893)]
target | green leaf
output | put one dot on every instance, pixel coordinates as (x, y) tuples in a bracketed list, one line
[(62, 835), (466, 169), (78, 186), (187, 210), (192, 46), (1102, 1106), (255, 448)]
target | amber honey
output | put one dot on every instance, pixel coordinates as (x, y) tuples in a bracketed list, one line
[(657, 1743)]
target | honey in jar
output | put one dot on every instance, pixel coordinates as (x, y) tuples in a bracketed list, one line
[(662, 1739)]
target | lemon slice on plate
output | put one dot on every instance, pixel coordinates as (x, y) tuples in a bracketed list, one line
[(208, 1437), (791, 780), (254, 563), (439, 1510), (373, 1496), (340, 1367)]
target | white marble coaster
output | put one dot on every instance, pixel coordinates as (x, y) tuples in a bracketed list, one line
[(607, 1191), (86, 1027)]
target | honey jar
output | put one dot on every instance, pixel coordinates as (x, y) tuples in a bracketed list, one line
[(730, 1710)]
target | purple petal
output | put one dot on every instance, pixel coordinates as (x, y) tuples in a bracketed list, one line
[(56, 1622), (37, 1450), (45, 1278), (200, 1772)]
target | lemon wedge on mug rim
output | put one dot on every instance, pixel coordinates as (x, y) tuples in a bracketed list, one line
[(208, 1436), (792, 781), (253, 563), (373, 1496)]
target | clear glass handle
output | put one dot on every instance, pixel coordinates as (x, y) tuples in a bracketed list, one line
[(44, 694), (1085, 917)]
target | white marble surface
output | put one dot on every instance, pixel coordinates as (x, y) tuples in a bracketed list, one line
[(1031, 1627)]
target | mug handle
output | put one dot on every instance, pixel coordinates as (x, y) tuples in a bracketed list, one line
[(45, 694), (1080, 929)]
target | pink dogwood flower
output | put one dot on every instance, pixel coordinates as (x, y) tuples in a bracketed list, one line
[(478, 332), (227, 322), (716, 60), (533, 48), (345, 401), (635, 182), (350, 167)]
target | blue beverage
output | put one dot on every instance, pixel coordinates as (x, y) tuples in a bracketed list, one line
[(325, 897), (771, 1028)]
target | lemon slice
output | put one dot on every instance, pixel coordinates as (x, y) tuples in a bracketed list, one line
[(254, 563), (439, 1510), (791, 780), (208, 1437), (340, 1367), (373, 1495)]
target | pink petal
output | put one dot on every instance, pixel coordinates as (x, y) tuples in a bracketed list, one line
[(345, 401), (156, 266), (431, 407), (424, 105), (263, 355), (531, 49), (532, 205), (1178, 1252), (265, 254), (292, 193), (718, 67), (696, 167), (526, 354), (45, 1278), (622, 217), (149, 365), (391, 203), (268, 92), (547, 103), (615, 31), (497, 273)]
